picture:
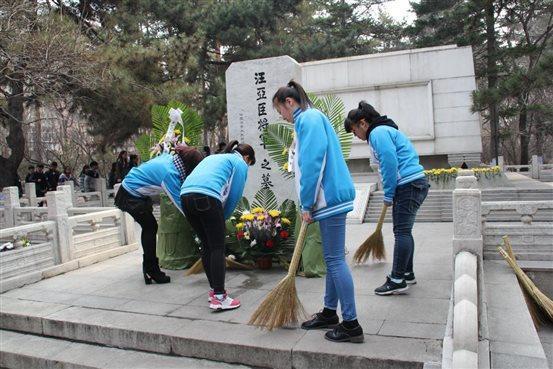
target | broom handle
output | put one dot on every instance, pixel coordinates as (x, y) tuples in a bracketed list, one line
[(293, 268), (382, 216)]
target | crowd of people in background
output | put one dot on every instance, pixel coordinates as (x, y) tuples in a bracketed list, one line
[(50, 179)]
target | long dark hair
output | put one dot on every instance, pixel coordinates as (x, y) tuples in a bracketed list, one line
[(294, 91), (242, 148), (190, 156), (364, 111)]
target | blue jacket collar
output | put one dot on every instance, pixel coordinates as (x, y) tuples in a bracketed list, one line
[(297, 112)]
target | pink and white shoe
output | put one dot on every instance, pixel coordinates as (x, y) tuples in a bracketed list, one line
[(210, 295), (226, 303)]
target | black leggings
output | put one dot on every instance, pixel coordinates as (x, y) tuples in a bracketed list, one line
[(205, 215), (141, 210)]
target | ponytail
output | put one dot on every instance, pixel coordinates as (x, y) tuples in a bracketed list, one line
[(294, 91), (242, 149), (364, 111)]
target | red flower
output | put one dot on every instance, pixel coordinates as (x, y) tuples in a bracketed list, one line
[(270, 244), (240, 235), (284, 234)]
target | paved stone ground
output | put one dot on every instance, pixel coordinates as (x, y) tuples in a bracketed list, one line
[(523, 182), (546, 336), (413, 323)]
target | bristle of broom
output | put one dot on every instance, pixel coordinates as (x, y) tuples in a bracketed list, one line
[(374, 244), (282, 305), (233, 264), (544, 302), (198, 267), (271, 314)]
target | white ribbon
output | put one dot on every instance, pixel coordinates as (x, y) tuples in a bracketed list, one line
[(175, 117), (291, 154)]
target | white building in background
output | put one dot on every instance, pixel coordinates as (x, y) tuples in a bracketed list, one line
[(427, 92)]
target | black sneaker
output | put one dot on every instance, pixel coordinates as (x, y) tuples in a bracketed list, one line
[(410, 278), (319, 321), (342, 334), (391, 288)]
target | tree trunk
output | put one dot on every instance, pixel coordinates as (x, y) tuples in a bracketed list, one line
[(15, 139), (523, 135), (492, 77)]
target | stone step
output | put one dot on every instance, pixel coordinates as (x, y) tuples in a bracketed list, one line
[(212, 340), (527, 256), (23, 351)]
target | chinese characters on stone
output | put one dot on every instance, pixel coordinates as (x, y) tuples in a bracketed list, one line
[(262, 122)]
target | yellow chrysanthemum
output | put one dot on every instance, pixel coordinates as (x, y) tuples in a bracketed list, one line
[(247, 217), (258, 210), (177, 132), (285, 221), (187, 140), (285, 167), (274, 213), (261, 217), (239, 226)]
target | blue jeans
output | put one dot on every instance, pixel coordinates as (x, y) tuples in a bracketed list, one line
[(407, 200), (339, 283)]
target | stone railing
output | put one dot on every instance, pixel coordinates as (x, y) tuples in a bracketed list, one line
[(465, 311), (68, 240), (30, 214), (41, 253), (536, 169), (461, 348), (101, 197), (526, 209)]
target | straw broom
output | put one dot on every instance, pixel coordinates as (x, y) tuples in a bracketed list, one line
[(282, 306), (374, 244), (539, 297), (198, 266)]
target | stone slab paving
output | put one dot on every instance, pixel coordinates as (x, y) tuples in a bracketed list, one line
[(109, 304), (546, 337), (514, 342)]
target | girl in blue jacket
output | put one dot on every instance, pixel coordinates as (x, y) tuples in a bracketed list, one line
[(405, 186), (326, 194), (209, 196), (163, 173)]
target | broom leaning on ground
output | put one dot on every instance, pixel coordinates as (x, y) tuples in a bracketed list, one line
[(198, 266), (374, 244), (539, 297), (282, 306)]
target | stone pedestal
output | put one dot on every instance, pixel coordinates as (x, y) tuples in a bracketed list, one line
[(11, 201), (250, 89), (30, 193), (58, 204), (467, 214), (535, 167)]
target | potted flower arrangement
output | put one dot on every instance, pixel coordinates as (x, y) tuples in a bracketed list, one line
[(262, 233)]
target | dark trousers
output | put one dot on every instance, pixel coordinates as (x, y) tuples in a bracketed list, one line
[(205, 215), (141, 209), (407, 201)]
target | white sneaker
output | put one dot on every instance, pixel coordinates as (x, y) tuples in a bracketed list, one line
[(226, 303)]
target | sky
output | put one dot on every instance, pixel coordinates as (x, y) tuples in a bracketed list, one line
[(399, 9)]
